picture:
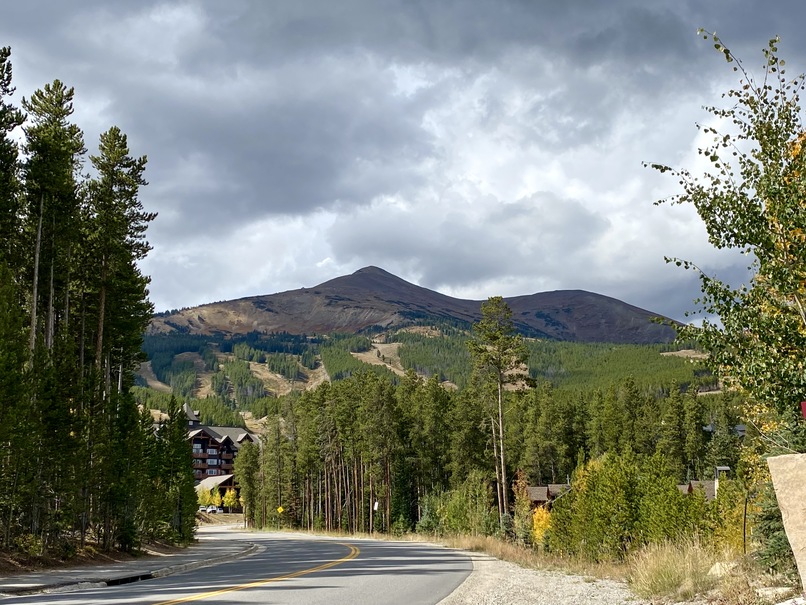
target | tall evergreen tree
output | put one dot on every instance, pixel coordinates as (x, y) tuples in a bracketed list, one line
[(694, 444), (247, 467), (671, 444), (498, 353), (54, 148), (14, 385), (10, 201), (115, 234), (176, 476)]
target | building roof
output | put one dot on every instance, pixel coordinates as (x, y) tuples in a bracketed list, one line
[(212, 481), (708, 487), (556, 489), (192, 415), (538, 493), (221, 434)]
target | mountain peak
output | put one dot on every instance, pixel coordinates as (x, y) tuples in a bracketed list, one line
[(372, 269), (372, 298), (369, 278)]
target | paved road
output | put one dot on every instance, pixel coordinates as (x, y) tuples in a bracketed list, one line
[(296, 570)]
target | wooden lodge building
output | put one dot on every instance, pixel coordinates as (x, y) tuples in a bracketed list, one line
[(214, 447)]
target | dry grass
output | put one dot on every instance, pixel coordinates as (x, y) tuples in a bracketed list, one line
[(682, 571), (677, 571), (534, 559)]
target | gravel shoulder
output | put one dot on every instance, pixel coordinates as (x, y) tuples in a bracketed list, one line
[(496, 582)]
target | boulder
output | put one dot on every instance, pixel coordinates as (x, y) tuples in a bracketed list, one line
[(789, 481)]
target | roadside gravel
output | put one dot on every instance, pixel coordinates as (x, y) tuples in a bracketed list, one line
[(495, 582)]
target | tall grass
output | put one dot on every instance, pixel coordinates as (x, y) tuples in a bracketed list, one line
[(672, 570), (531, 558)]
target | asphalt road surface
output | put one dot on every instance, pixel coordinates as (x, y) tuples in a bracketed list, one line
[(296, 570)]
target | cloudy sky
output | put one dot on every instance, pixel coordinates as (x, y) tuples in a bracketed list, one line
[(474, 147)]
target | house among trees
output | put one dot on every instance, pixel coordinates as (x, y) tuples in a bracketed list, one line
[(214, 447), (544, 495), (708, 487)]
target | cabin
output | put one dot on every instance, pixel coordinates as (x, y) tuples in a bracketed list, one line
[(544, 495)]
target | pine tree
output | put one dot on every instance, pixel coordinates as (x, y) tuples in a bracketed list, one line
[(176, 480), (694, 444), (14, 391), (246, 474), (10, 202), (115, 234), (498, 353), (671, 444), (54, 148)]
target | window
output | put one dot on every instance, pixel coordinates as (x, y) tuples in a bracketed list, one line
[(197, 446), (212, 461), (212, 471), (212, 451)]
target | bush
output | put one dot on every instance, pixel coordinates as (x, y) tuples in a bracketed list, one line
[(400, 527), (523, 525), (730, 508), (773, 551), (541, 521), (30, 545), (465, 510), (429, 521)]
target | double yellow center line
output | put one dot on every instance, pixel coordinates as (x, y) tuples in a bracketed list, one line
[(354, 552)]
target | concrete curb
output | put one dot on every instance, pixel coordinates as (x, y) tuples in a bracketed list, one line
[(172, 569), (161, 572)]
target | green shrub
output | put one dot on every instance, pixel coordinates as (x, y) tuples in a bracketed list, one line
[(773, 551), (465, 510)]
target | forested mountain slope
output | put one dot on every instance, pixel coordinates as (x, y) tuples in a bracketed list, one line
[(372, 299)]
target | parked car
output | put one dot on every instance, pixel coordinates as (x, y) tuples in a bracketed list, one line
[(212, 509), (202, 508)]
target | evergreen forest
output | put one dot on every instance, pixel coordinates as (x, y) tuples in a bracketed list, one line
[(83, 465), (377, 450)]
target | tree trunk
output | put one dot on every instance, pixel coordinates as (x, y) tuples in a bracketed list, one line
[(497, 476), (504, 483), (371, 506), (51, 323), (388, 520), (35, 293), (99, 342)]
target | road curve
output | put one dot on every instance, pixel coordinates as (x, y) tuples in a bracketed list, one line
[(295, 569)]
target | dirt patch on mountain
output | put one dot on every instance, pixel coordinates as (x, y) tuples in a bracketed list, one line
[(383, 355), (687, 353), (151, 379), (277, 384)]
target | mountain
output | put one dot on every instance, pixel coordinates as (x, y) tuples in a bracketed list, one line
[(373, 298)]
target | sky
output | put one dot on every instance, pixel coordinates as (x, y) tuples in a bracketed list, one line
[(474, 147)]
